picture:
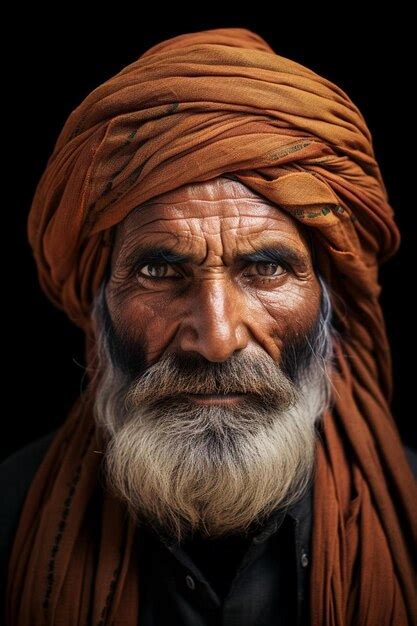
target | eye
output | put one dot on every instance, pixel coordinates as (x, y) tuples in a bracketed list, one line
[(267, 269), (155, 271)]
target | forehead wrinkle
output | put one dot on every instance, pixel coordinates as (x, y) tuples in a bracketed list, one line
[(265, 221), (185, 240), (197, 229), (171, 206)]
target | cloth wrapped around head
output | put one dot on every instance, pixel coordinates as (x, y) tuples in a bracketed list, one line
[(189, 109)]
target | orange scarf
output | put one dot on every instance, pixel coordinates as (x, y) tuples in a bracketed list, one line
[(189, 109)]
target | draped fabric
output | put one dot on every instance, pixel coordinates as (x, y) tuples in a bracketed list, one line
[(189, 109)]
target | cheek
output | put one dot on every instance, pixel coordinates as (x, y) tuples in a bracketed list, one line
[(146, 317), (294, 308)]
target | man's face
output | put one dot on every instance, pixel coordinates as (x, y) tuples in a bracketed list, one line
[(211, 317), (217, 303)]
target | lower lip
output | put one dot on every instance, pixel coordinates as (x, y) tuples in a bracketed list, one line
[(215, 398)]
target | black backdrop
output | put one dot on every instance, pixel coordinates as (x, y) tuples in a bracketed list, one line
[(53, 61)]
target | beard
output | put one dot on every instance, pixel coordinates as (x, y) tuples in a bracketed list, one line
[(216, 470)]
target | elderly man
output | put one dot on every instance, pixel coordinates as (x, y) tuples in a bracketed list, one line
[(213, 218)]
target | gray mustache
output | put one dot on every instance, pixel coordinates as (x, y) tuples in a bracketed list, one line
[(172, 376)]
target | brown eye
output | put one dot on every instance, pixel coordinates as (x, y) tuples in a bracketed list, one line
[(156, 270), (268, 269)]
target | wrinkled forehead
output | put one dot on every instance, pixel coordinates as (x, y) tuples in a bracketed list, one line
[(214, 206)]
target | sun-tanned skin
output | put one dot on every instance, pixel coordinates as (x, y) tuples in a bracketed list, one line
[(214, 305)]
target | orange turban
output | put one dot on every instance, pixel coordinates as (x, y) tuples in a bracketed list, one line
[(189, 109)]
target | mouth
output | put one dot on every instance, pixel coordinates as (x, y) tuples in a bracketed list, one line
[(216, 398)]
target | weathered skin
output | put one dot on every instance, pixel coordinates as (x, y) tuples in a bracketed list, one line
[(216, 305)]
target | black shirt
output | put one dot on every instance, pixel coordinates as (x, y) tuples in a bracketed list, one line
[(260, 580)]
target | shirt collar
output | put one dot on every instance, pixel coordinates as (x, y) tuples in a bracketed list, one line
[(298, 510)]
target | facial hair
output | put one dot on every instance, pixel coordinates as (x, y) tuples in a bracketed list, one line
[(215, 470)]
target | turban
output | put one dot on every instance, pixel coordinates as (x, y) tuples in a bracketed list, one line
[(189, 109)]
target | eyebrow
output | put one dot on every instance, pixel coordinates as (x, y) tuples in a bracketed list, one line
[(277, 252)]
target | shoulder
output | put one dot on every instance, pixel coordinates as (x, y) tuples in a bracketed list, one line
[(32, 450), (16, 474), (17, 470)]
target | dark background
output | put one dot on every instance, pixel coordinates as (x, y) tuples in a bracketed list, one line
[(54, 61)]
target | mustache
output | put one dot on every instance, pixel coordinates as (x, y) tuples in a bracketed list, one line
[(177, 374)]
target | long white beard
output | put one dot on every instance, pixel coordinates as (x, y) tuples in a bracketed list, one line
[(211, 469)]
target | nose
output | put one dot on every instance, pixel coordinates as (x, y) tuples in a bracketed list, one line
[(215, 327)]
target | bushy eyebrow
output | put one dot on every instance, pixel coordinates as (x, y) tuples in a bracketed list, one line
[(279, 252)]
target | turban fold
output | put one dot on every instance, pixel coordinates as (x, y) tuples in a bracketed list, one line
[(189, 109)]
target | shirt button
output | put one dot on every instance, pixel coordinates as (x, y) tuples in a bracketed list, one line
[(190, 581), (304, 559)]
